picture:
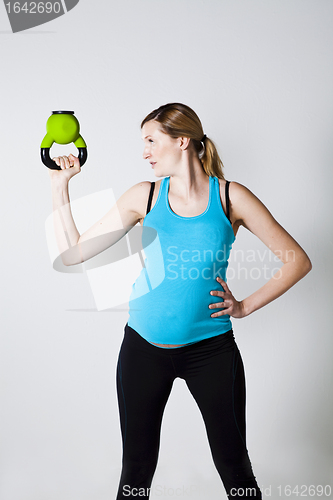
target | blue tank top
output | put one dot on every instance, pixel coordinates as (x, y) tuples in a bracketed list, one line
[(170, 298)]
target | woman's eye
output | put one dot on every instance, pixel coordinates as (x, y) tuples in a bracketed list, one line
[(151, 140)]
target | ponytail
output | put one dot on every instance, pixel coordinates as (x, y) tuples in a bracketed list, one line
[(210, 159)]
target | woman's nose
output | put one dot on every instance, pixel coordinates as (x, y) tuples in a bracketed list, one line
[(146, 153)]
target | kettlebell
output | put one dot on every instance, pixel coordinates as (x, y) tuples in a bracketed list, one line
[(62, 128)]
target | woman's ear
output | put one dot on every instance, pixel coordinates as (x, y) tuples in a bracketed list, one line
[(184, 143)]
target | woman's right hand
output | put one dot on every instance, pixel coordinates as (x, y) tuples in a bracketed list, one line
[(70, 166)]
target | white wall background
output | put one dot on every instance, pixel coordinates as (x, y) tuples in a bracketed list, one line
[(259, 74)]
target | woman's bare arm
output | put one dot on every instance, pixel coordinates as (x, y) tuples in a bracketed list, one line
[(75, 248), (251, 213)]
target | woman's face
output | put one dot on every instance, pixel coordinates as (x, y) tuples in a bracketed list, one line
[(162, 151)]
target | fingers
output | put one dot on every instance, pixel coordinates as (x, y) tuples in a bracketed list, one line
[(230, 306), (56, 160), (220, 313), (218, 305), (225, 292), (62, 162), (223, 284), (74, 161), (224, 295), (65, 162)]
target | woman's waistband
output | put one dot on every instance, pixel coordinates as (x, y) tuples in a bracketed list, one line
[(214, 342)]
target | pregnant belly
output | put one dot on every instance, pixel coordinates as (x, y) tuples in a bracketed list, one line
[(168, 345)]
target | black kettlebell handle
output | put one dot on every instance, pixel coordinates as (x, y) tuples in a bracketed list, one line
[(45, 156)]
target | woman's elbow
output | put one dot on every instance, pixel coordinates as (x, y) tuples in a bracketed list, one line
[(72, 256), (306, 265), (309, 265)]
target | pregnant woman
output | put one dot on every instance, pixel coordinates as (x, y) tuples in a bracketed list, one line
[(181, 307)]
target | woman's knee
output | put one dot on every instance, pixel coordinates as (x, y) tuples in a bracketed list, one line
[(138, 472)]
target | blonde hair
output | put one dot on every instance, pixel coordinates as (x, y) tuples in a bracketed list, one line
[(179, 120)]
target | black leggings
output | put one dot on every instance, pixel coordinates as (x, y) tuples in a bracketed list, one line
[(213, 371)]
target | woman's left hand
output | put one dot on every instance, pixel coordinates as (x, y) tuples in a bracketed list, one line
[(230, 305)]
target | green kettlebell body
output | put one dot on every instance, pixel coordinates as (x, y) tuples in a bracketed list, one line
[(63, 128)]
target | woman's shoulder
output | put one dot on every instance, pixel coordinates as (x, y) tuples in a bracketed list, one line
[(140, 192), (246, 208), (237, 191), (142, 188), (233, 185), (240, 197), (144, 185)]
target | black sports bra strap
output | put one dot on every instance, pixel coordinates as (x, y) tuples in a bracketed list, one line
[(227, 201), (150, 196)]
